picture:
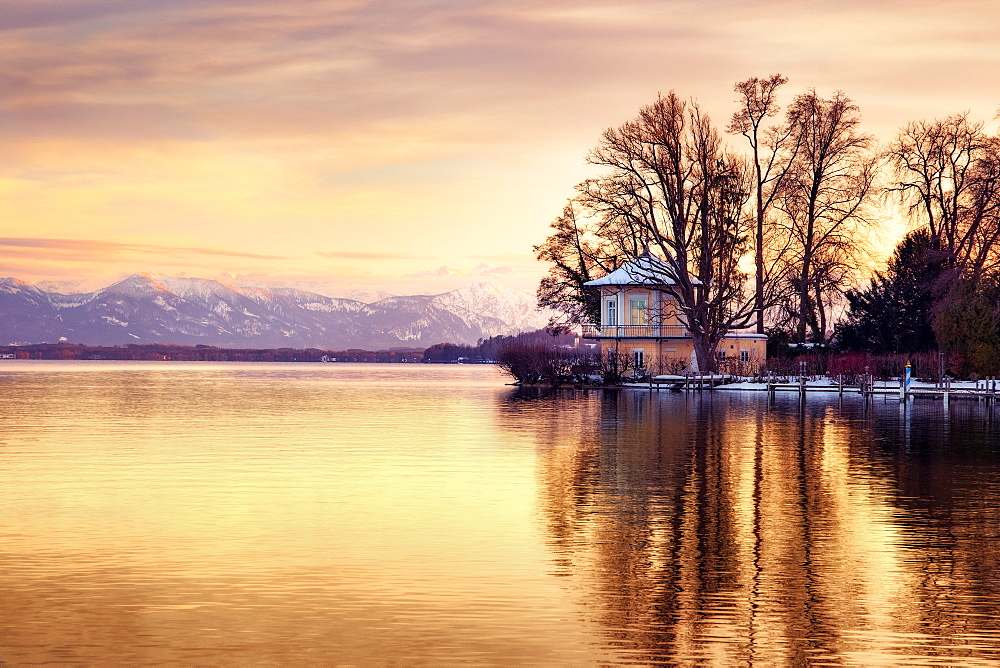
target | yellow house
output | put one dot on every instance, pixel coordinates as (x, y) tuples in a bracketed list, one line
[(640, 319)]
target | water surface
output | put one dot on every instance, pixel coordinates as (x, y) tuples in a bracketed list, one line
[(308, 513)]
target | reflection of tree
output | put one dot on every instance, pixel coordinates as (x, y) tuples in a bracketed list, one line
[(949, 491), (713, 528)]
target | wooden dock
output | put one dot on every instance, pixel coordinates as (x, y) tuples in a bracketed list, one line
[(868, 387), (693, 381)]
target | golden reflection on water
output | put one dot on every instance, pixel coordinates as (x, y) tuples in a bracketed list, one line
[(267, 513), (241, 513), (718, 528)]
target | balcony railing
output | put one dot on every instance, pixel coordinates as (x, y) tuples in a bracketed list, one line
[(634, 331)]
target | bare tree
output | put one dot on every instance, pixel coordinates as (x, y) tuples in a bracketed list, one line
[(824, 204), (984, 214), (672, 185), (773, 149), (948, 175)]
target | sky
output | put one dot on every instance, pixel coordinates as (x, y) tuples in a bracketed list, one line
[(397, 146)]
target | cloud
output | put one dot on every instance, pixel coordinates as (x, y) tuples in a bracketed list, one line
[(500, 257), (442, 271), (405, 80), (351, 255), (482, 269), (443, 129), (93, 249), (486, 270)]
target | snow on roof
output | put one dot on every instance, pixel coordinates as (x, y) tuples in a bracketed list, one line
[(644, 270)]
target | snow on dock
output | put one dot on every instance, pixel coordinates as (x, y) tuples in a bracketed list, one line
[(865, 386)]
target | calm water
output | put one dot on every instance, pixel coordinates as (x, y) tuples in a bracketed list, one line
[(248, 513)]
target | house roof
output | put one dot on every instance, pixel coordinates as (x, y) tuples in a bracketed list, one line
[(646, 270)]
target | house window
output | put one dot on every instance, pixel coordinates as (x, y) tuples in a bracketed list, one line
[(612, 313), (639, 356), (744, 355), (638, 313), (720, 354)]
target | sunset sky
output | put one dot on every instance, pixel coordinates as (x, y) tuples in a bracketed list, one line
[(353, 144)]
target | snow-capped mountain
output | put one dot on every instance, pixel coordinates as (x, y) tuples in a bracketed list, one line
[(146, 308), (26, 313), (493, 307)]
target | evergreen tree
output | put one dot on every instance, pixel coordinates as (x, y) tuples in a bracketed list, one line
[(895, 313)]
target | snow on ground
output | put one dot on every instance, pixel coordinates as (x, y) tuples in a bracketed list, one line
[(817, 383)]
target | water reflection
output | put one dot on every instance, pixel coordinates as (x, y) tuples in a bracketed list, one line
[(720, 527), (271, 514), (291, 514)]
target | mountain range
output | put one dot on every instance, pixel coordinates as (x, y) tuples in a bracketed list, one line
[(147, 308)]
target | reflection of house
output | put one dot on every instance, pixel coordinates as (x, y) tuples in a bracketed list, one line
[(639, 317)]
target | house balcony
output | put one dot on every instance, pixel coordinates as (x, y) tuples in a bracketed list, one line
[(635, 332)]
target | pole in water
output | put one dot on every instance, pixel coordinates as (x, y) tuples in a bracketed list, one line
[(904, 385)]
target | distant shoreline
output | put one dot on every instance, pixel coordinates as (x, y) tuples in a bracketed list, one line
[(156, 352)]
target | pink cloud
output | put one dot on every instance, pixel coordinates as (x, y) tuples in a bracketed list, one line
[(94, 249)]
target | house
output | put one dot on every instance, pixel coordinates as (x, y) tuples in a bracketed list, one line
[(641, 319)]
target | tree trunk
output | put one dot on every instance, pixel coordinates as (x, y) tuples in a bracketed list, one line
[(705, 352), (804, 304), (821, 315), (759, 261)]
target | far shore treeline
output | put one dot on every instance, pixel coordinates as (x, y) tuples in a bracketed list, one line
[(777, 222), (488, 350), (164, 352)]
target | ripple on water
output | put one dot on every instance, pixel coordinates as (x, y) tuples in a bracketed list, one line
[(226, 513)]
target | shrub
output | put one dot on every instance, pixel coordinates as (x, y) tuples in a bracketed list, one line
[(526, 361), (533, 362), (614, 366)]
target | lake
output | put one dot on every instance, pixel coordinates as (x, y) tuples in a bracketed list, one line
[(212, 513)]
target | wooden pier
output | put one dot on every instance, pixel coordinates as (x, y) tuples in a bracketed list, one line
[(985, 390), (867, 386), (692, 381)]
